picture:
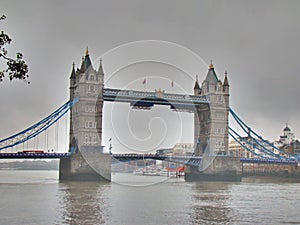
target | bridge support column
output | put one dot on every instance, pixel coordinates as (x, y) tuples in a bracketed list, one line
[(215, 168), (90, 165)]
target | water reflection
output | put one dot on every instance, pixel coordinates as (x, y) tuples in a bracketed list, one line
[(82, 202), (210, 203)]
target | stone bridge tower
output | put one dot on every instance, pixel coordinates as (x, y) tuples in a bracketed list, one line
[(87, 162), (211, 121), (211, 133), (86, 116)]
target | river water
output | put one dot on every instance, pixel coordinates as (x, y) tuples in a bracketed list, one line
[(37, 197)]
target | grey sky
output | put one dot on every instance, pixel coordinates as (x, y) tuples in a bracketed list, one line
[(257, 42)]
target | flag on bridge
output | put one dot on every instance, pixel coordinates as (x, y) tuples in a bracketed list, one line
[(144, 81), (172, 83)]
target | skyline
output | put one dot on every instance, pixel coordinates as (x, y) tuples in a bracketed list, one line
[(256, 42)]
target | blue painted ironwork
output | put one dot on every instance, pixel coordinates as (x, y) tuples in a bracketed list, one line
[(240, 143), (269, 161), (196, 160), (22, 155), (37, 128), (248, 130), (238, 140)]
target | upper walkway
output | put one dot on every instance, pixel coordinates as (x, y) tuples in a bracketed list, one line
[(148, 99)]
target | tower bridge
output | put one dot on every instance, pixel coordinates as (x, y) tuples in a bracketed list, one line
[(209, 104), (85, 159)]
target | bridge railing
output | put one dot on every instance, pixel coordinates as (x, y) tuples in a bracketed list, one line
[(137, 95)]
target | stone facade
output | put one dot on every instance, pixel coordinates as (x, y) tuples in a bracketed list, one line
[(86, 115), (211, 121), (215, 168), (87, 162), (211, 133)]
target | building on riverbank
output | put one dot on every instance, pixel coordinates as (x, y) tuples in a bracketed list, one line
[(286, 143)]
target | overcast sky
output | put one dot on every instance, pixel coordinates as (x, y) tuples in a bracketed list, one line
[(257, 42)]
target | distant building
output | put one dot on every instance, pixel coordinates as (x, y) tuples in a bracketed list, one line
[(286, 139), (287, 142), (178, 149), (296, 147), (183, 149), (236, 150), (256, 147)]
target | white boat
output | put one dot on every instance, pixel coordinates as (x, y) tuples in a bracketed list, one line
[(168, 173), (173, 172), (146, 172)]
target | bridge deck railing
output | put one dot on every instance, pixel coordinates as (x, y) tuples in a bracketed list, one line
[(137, 95)]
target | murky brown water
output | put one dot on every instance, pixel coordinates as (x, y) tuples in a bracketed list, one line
[(36, 197)]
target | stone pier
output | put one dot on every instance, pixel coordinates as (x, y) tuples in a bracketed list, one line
[(87, 161), (89, 165), (215, 168)]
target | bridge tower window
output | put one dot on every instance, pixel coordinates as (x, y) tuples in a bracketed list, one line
[(91, 88)]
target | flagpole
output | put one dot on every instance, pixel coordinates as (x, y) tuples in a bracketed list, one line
[(144, 84)]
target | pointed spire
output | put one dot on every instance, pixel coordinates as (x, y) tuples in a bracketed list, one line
[(87, 61), (87, 51), (82, 67), (226, 83), (211, 76), (196, 86), (73, 72), (211, 66), (286, 129), (100, 70)]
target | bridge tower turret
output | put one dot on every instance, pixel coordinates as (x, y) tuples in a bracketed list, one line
[(211, 121), (197, 89), (211, 133), (226, 98), (85, 123), (72, 94), (86, 116)]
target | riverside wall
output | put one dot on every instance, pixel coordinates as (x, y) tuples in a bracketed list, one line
[(215, 168), (272, 170)]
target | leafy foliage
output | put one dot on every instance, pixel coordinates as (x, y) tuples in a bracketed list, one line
[(16, 68)]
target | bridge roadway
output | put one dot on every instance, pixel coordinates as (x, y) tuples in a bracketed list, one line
[(22, 155), (269, 161), (187, 160), (195, 160)]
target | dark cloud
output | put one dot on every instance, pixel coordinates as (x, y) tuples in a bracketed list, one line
[(256, 41)]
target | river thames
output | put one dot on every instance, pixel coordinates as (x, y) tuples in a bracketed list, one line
[(37, 197)]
